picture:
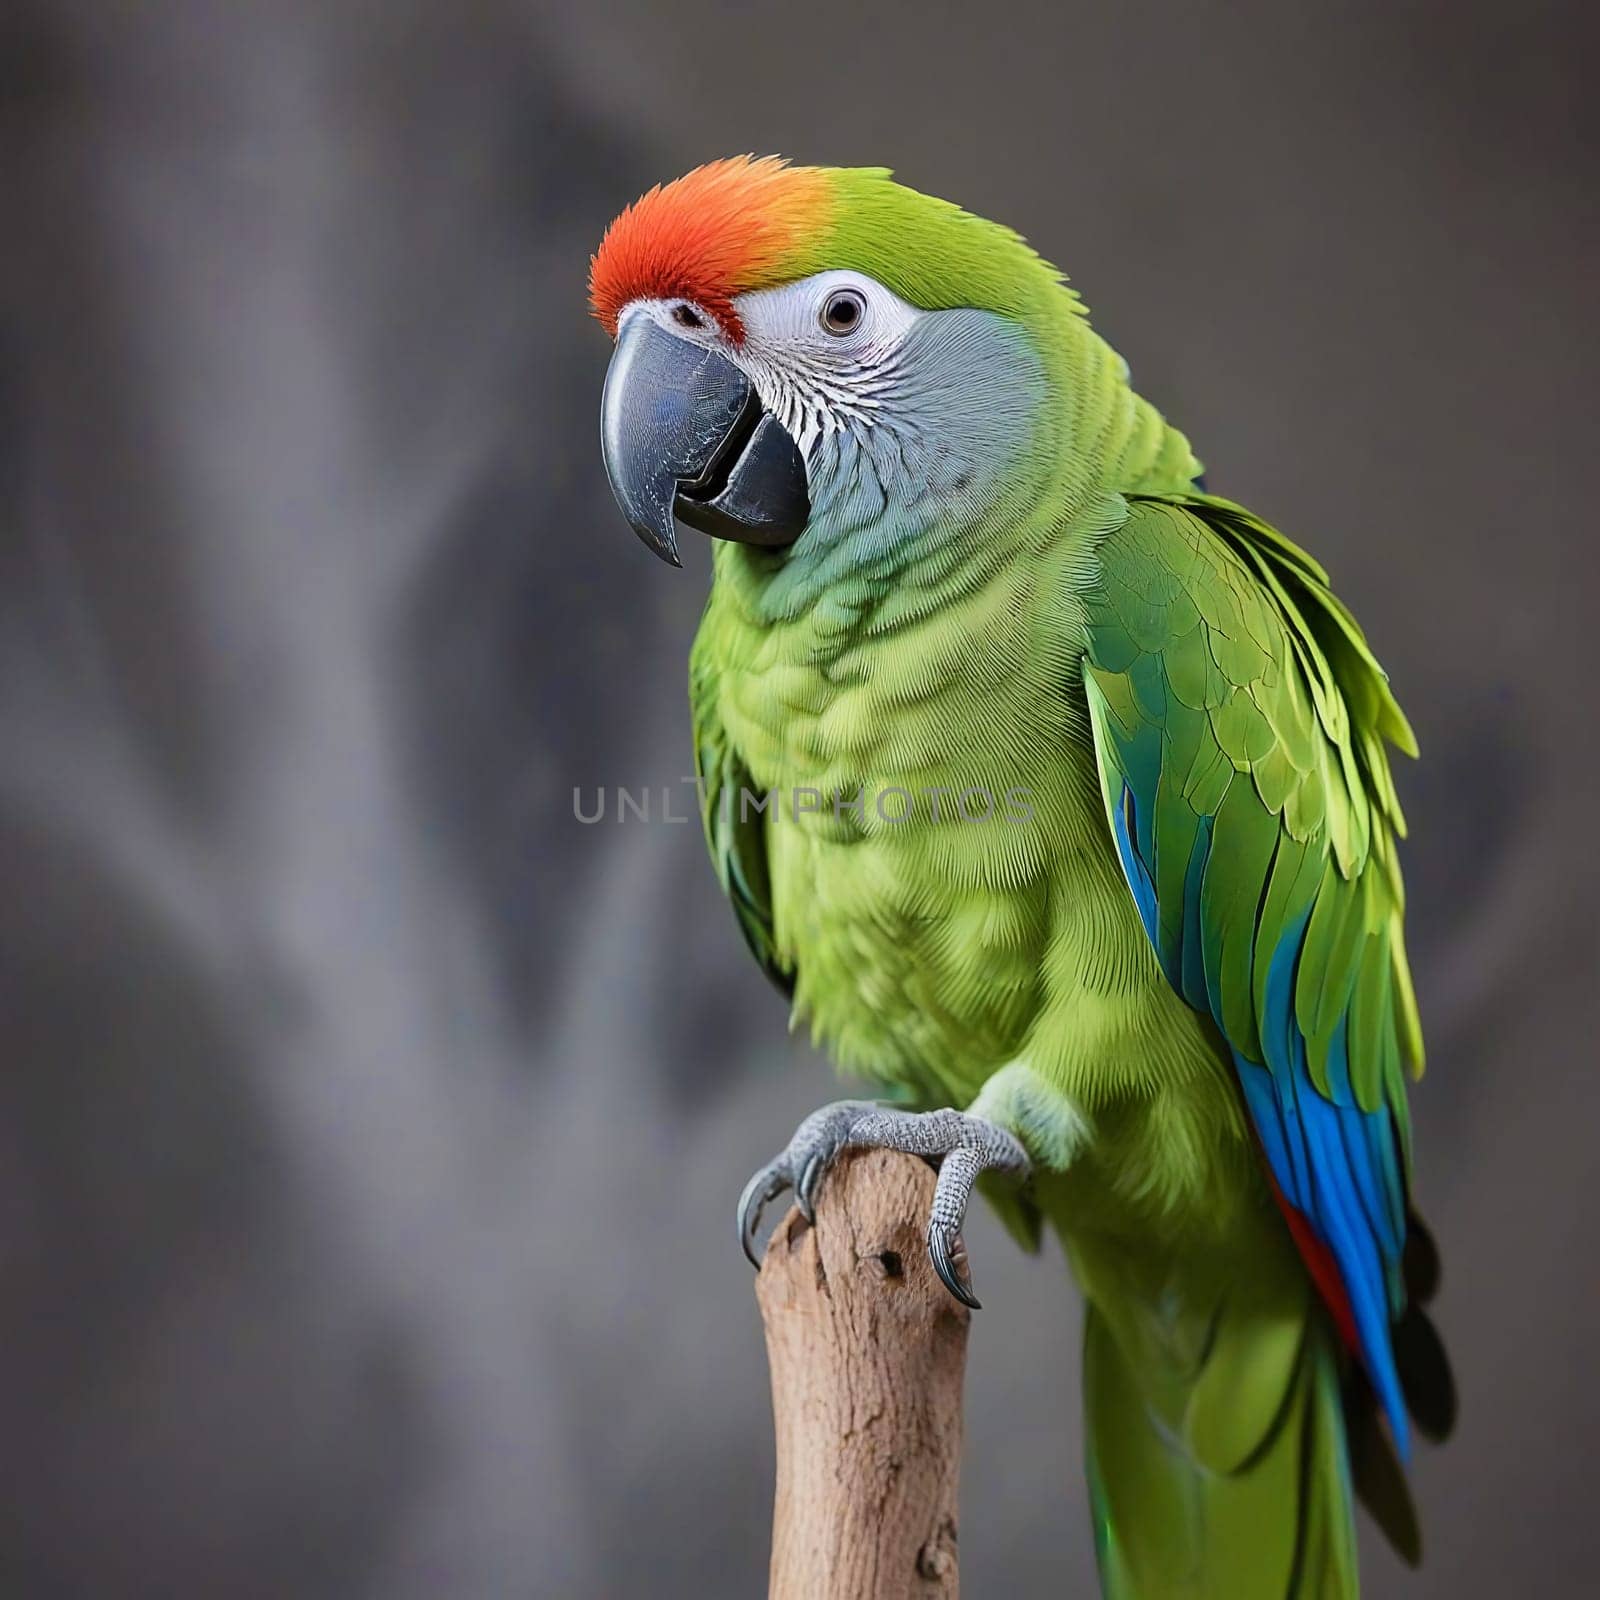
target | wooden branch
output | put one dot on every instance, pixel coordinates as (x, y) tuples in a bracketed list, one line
[(867, 1351)]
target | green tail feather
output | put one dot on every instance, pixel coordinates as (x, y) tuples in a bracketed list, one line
[(1274, 1526)]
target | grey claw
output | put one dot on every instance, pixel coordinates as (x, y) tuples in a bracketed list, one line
[(803, 1164), (805, 1192), (767, 1184), (944, 1265)]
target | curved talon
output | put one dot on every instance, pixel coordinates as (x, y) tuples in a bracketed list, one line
[(943, 1263), (766, 1185), (805, 1192), (803, 1164)]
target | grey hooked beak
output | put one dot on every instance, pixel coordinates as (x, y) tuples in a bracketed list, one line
[(683, 433)]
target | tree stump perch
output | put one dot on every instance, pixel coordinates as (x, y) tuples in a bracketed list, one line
[(867, 1351)]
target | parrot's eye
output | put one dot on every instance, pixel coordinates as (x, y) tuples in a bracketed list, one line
[(842, 311), (687, 317)]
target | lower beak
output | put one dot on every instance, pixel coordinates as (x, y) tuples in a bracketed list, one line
[(684, 433)]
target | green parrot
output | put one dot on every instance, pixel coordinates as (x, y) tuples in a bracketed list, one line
[(1053, 791)]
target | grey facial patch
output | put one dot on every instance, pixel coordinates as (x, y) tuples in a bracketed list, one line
[(959, 401)]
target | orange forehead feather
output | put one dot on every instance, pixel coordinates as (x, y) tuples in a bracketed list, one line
[(724, 228)]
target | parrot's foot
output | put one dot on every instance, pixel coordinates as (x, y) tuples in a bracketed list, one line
[(810, 1152), (960, 1145)]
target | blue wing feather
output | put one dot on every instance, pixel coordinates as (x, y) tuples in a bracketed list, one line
[(1335, 1163), (1338, 1164)]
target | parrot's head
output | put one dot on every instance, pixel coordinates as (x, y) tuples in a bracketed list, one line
[(840, 370)]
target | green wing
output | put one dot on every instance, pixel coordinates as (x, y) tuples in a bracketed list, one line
[(735, 829), (1239, 722)]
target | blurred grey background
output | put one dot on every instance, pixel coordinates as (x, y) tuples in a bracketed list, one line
[(369, 1128)]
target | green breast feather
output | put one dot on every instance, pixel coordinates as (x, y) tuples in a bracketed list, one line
[(735, 831)]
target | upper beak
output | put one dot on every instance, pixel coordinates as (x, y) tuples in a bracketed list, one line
[(682, 431)]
